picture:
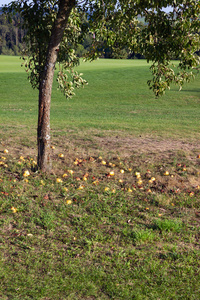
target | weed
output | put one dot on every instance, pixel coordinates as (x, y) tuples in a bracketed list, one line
[(167, 225)]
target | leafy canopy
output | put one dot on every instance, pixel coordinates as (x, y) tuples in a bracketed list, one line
[(163, 36)]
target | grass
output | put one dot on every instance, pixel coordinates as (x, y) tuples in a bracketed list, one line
[(117, 98), (118, 218), (106, 237)]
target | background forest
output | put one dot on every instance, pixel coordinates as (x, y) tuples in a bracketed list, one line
[(12, 33)]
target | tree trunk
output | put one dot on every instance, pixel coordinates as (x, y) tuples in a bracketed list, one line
[(16, 36), (45, 88)]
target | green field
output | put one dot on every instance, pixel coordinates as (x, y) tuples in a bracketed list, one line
[(117, 98), (119, 216)]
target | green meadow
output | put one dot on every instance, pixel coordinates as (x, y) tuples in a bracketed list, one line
[(116, 98), (119, 216)]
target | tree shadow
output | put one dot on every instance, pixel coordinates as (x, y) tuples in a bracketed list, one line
[(193, 91)]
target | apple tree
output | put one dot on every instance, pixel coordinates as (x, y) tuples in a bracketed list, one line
[(55, 28)]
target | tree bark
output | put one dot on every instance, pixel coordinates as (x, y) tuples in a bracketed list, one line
[(45, 88), (16, 36)]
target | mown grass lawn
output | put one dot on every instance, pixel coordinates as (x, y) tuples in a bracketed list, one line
[(119, 217)]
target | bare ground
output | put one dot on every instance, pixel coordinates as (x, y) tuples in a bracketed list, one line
[(95, 142), (145, 144), (156, 153)]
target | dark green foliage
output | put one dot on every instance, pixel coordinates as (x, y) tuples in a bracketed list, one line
[(11, 35)]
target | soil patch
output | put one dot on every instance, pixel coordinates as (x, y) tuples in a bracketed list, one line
[(145, 144)]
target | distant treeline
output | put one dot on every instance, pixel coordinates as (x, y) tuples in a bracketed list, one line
[(11, 35), (11, 41)]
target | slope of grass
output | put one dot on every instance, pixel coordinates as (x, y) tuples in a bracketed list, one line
[(99, 228), (117, 98), (111, 221)]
